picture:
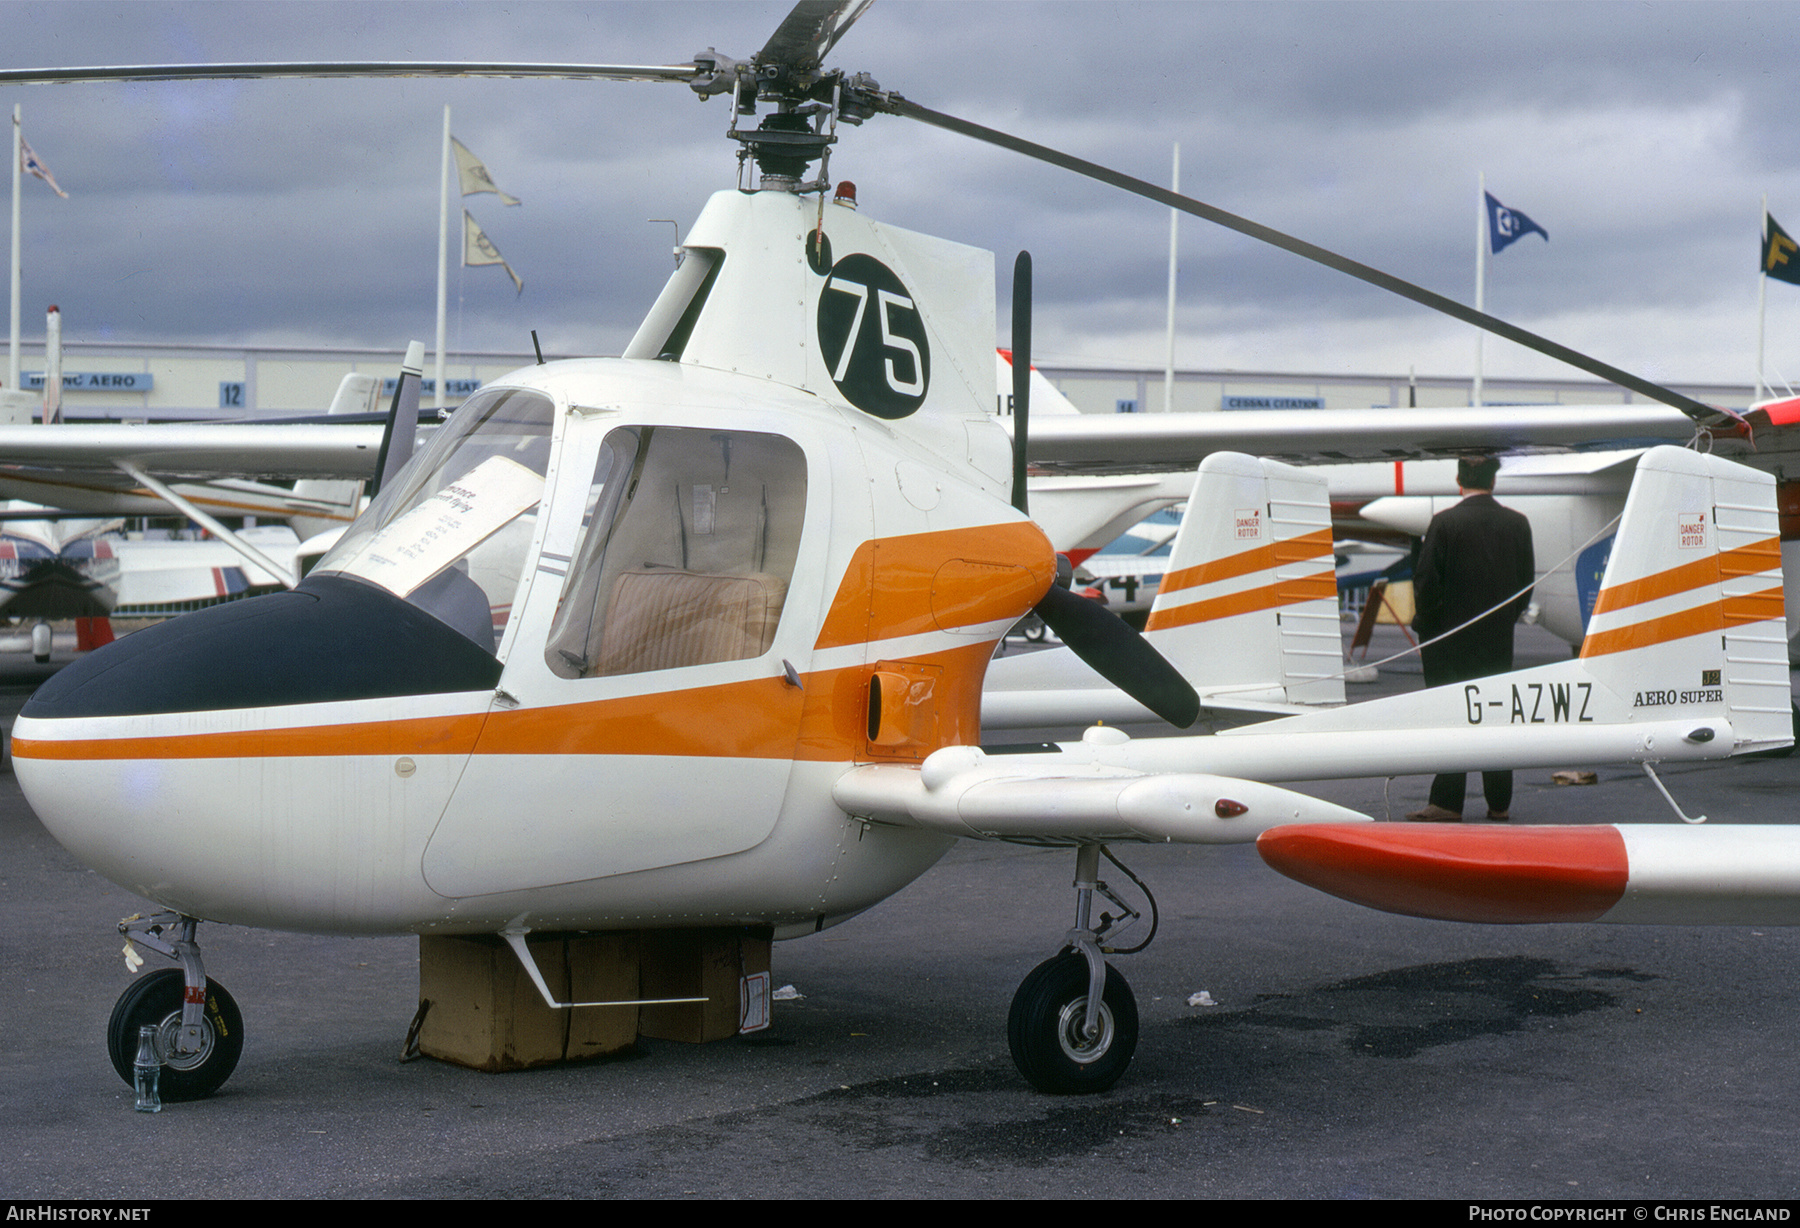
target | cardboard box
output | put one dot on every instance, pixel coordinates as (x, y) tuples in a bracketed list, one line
[(708, 964), (602, 968), (486, 1013)]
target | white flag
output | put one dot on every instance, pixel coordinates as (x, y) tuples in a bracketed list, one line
[(478, 250), (29, 163), (473, 176)]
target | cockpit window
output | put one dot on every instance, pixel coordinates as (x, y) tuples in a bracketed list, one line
[(453, 535), (686, 552)]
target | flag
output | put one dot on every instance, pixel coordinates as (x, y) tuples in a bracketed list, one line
[(29, 163), (1505, 225), (478, 250), (1779, 252), (474, 176)]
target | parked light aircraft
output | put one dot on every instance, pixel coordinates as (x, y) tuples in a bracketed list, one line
[(696, 636)]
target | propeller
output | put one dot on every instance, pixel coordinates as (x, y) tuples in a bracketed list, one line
[(1105, 642)]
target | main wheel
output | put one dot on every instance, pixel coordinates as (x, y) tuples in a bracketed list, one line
[(1045, 1028), (156, 1000)]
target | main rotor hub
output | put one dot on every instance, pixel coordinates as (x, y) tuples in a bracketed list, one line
[(784, 145)]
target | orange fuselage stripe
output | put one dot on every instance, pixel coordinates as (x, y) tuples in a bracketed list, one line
[(433, 735), (763, 718)]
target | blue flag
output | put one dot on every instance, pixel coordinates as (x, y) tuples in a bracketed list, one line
[(1505, 225)]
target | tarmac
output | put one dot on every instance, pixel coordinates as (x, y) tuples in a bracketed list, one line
[(1348, 1053)]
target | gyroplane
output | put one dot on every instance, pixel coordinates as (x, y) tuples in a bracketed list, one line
[(697, 635)]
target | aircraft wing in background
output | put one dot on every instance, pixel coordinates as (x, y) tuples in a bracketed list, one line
[(1149, 443)]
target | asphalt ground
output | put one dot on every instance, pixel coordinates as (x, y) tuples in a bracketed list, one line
[(1350, 1054)]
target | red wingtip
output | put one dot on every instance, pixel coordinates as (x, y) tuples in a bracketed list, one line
[(1488, 874)]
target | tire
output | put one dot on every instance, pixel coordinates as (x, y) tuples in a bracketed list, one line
[(1043, 1029), (156, 1000)]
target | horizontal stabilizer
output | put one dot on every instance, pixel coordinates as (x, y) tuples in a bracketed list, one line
[(1621, 874)]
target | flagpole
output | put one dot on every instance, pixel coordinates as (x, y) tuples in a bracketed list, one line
[(18, 158), (1480, 277), (1174, 219), (443, 253), (1762, 297)]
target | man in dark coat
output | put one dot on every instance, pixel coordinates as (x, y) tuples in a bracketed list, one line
[(1476, 555)]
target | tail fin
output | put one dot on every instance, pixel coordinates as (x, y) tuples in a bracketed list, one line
[(1692, 599), (1250, 597), (1685, 657)]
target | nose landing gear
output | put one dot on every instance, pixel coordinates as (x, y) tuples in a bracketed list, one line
[(199, 1031), (1073, 1026), (1047, 1028)]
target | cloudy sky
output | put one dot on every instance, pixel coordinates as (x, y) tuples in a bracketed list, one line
[(1642, 136)]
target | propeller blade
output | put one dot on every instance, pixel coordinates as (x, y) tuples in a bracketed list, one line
[(1021, 375), (1103, 640), (1703, 414), (1120, 655)]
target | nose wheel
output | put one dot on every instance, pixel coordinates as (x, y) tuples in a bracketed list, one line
[(1047, 1028), (194, 1067), (199, 1031), (1073, 1025)]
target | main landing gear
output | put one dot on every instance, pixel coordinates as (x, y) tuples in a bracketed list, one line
[(1074, 1024), (199, 1032)]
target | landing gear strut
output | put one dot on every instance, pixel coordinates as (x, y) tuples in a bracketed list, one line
[(199, 1032), (1074, 1024)]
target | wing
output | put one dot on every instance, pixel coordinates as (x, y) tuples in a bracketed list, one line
[(190, 451), (963, 791), (1149, 443)]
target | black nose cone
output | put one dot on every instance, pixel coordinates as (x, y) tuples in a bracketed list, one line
[(331, 639)]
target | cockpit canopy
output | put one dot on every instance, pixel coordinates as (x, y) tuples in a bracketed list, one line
[(454, 536)]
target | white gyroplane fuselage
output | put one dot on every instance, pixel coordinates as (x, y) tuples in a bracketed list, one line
[(596, 660)]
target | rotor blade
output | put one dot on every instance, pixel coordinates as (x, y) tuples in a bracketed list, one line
[(1021, 375), (809, 32), (682, 73), (1705, 415), (1120, 655)]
